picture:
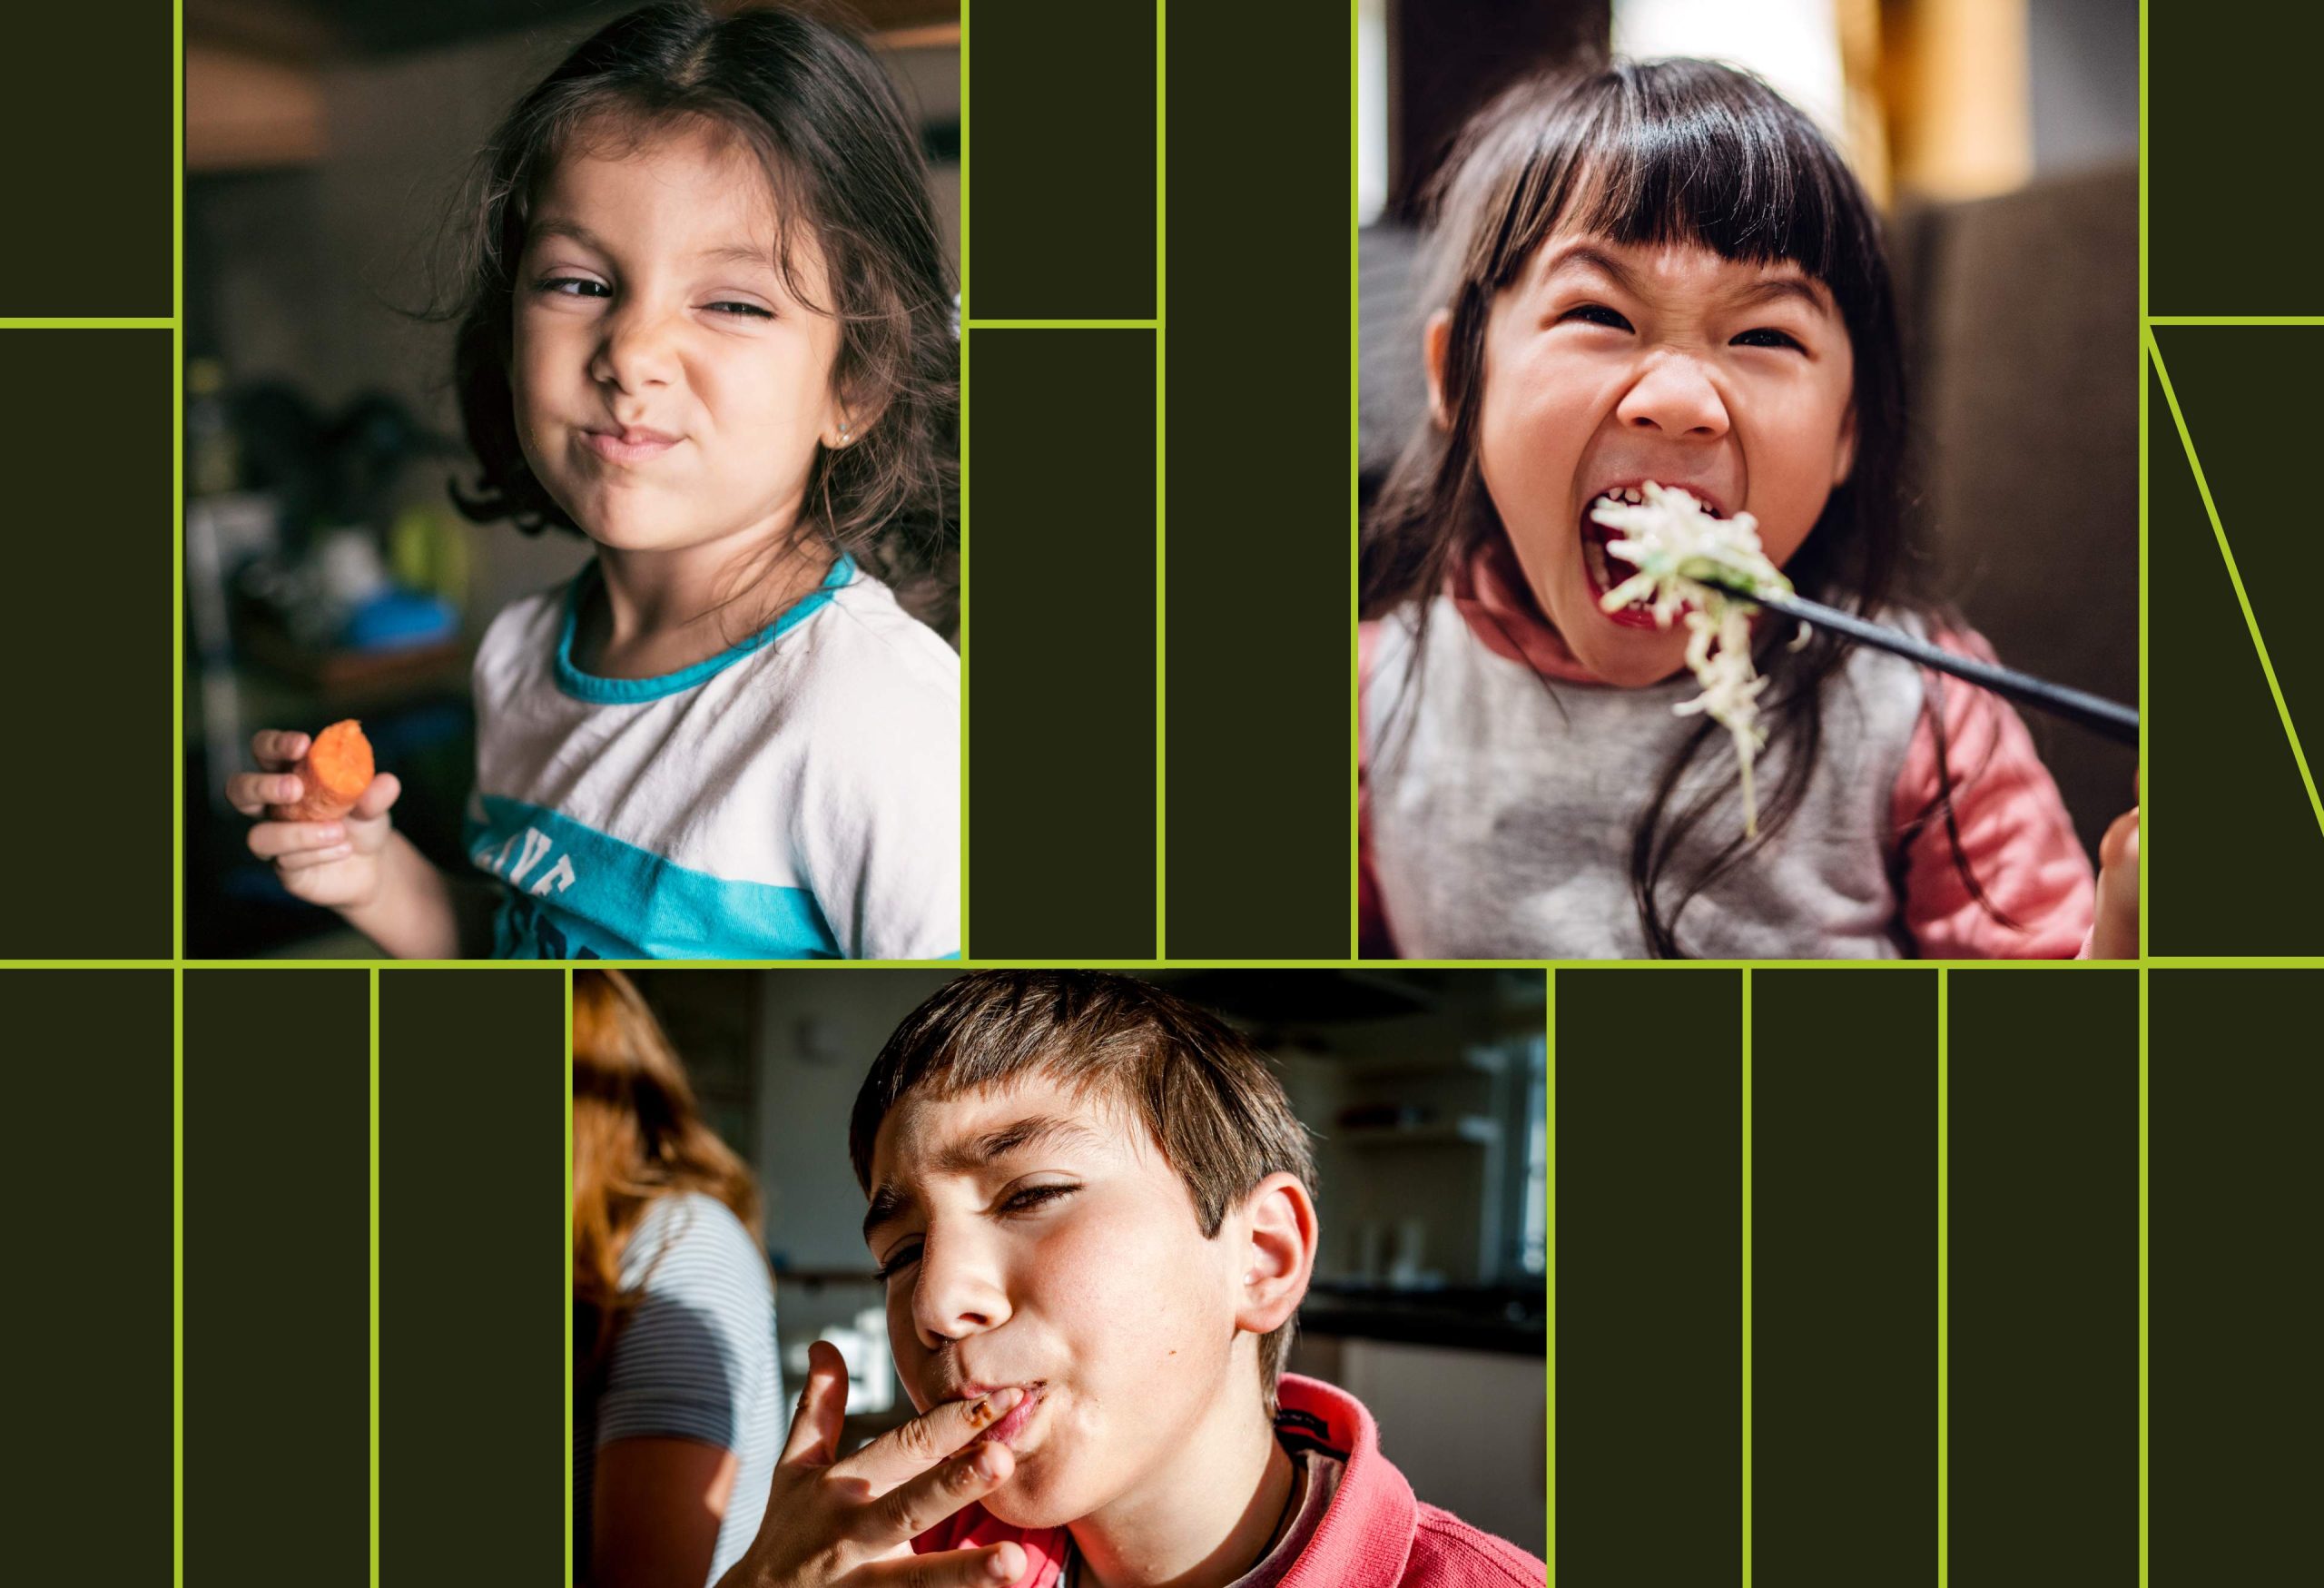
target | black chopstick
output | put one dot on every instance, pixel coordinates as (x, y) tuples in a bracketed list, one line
[(2095, 711)]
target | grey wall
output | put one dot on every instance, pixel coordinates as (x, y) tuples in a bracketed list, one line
[(2083, 57)]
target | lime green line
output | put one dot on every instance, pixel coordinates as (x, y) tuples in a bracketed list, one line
[(2235, 576), (1549, 1273), (2145, 1118), (91, 322), (1154, 324), (1943, 1280), (2145, 714), (1161, 477), (2233, 318), (567, 1236), (375, 1283), (177, 1277), (177, 488), (966, 694), (2237, 962), (1161, 651), (1132, 962), (1746, 1279)]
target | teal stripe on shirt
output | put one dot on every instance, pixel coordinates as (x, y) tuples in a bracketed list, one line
[(570, 892)]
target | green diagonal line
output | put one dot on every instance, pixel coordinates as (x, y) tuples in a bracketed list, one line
[(2235, 577)]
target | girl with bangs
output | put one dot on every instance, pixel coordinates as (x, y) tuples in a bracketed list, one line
[(1662, 273)]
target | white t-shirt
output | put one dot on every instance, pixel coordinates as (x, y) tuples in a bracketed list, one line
[(796, 797)]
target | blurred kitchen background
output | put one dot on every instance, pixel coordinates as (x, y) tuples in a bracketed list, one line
[(1425, 1093), (2002, 138), (326, 574)]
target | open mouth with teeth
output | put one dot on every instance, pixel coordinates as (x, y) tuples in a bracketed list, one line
[(1605, 570)]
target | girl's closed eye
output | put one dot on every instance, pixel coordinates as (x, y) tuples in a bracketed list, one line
[(1767, 336), (1594, 314), (555, 287)]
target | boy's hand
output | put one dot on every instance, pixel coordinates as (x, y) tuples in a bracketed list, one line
[(335, 863), (830, 1522), (2115, 935)]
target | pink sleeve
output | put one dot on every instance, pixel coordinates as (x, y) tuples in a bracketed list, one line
[(1373, 940), (2015, 835)]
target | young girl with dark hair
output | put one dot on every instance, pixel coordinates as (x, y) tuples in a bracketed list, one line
[(707, 323), (1663, 272)]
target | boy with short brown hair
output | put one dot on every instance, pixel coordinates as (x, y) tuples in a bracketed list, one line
[(1093, 1210)]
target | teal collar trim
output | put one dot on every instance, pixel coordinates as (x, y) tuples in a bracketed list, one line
[(588, 687)]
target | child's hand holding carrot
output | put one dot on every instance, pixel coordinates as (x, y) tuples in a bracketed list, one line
[(323, 816)]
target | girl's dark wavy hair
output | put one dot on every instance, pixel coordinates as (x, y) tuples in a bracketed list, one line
[(1652, 153), (844, 165)]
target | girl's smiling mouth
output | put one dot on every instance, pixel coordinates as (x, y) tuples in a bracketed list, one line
[(632, 446)]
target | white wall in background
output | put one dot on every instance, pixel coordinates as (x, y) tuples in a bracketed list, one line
[(1795, 45), (1371, 109), (1468, 1429)]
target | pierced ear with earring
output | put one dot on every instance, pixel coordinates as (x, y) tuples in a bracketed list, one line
[(846, 432)]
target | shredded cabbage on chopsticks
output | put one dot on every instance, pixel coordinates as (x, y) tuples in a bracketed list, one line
[(1675, 542)]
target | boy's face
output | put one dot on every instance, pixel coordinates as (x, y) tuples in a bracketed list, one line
[(1607, 365), (630, 313), (1031, 1237)]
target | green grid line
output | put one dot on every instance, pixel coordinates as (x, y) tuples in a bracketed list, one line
[(2235, 577), (177, 1278), (1746, 1279), (1133, 962), (966, 694), (1161, 475), (1943, 1280), (2144, 1117), (2145, 715), (1154, 324), (89, 323), (373, 995), (2235, 320), (177, 488), (1550, 1277)]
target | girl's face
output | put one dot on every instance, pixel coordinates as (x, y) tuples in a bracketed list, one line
[(647, 299), (1607, 365)]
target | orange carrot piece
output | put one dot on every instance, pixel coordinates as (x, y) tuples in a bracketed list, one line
[(335, 770)]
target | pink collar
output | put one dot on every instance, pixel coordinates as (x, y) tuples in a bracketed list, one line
[(1368, 1528), (1498, 607)]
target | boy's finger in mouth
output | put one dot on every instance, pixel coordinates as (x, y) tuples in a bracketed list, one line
[(1015, 1420)]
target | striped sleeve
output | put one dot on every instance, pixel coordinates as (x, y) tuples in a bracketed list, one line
[(696, 1351)]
